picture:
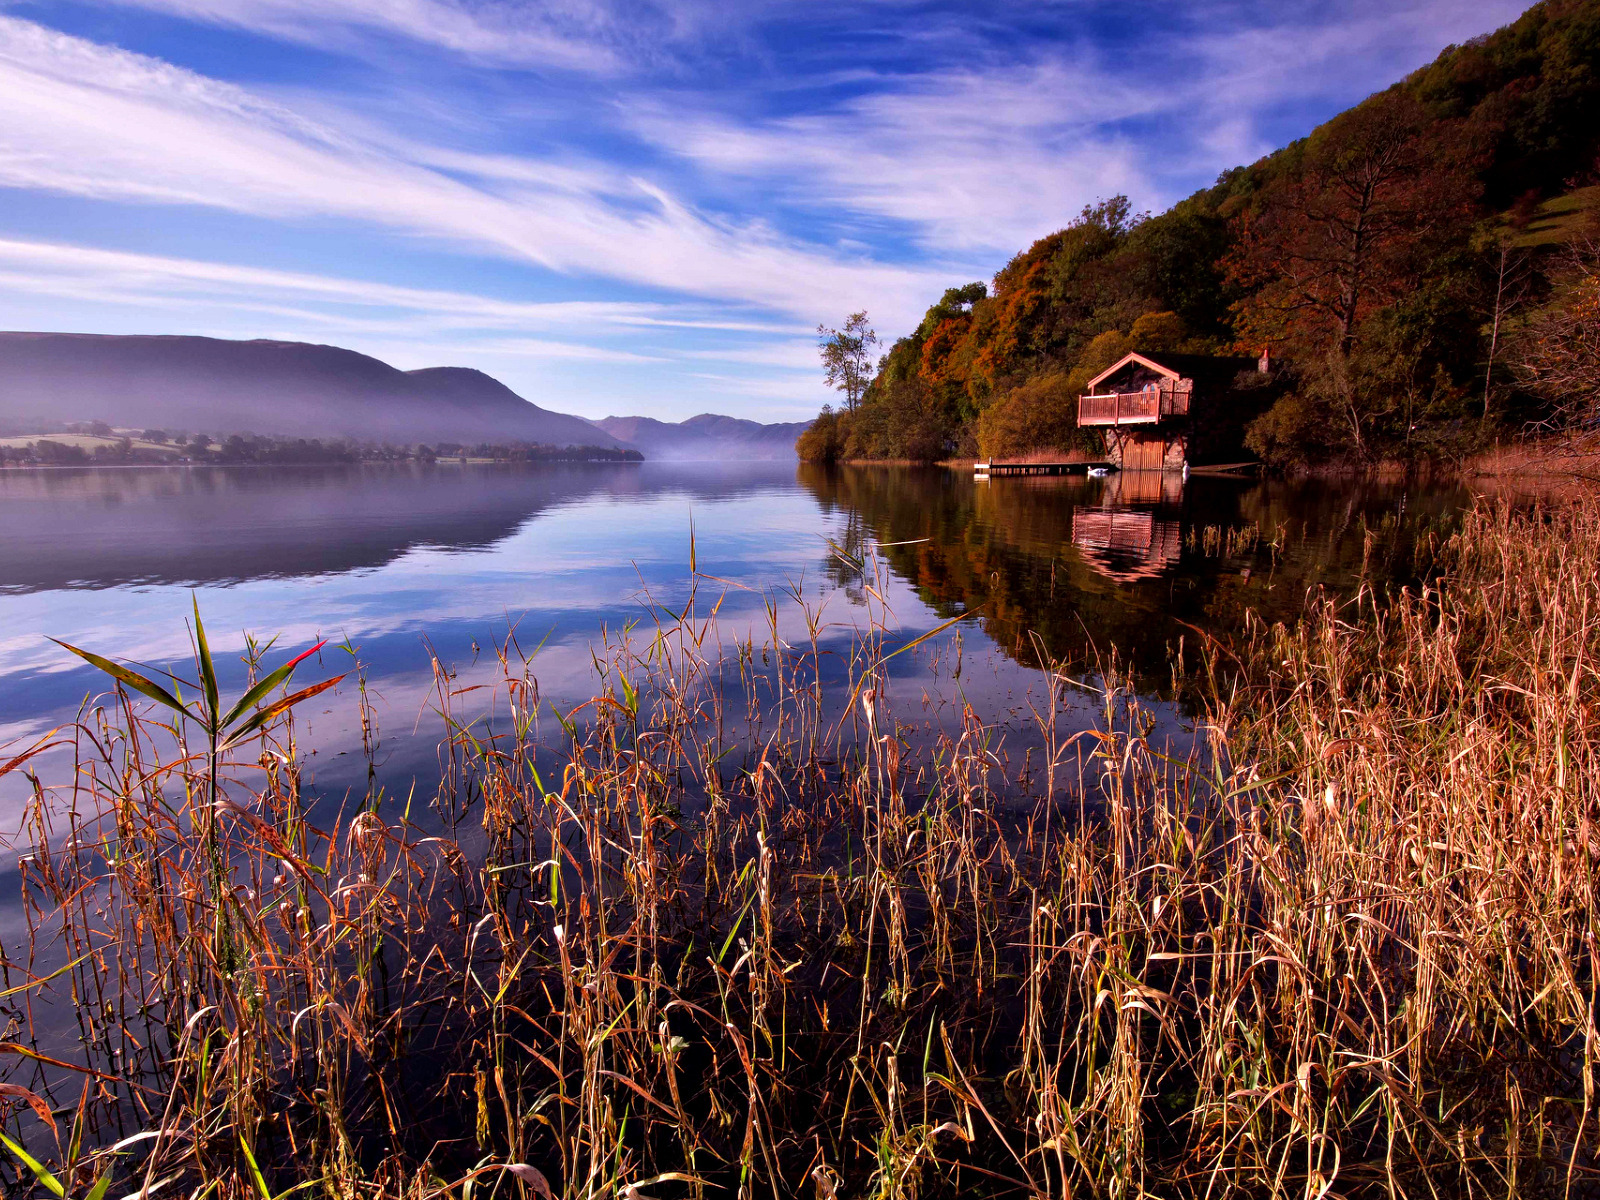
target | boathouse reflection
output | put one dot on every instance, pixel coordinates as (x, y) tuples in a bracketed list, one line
[(1082, 566), (1136, 530)]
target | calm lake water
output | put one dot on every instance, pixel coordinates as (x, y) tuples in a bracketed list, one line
[(397, 561)]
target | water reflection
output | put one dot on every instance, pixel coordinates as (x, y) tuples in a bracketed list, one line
[(388, 555), (99, 528), (1136, 531), (408, 561), (1130, 563), (1125, 544)]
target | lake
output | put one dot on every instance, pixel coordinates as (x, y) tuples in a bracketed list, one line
[(404, 563)]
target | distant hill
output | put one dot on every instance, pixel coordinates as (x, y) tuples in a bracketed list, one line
[(705, 437), (208, 385)]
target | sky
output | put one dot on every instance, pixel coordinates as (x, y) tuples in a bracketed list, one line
[(642, 208)]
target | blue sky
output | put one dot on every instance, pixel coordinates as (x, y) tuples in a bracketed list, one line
[(621, 208)]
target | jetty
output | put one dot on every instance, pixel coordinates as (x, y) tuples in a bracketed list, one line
[(985, 470)]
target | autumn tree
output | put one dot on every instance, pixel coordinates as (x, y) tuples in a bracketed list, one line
[(847, 357), (1352, 228), (1037, 415), (823, 441), (1558, 354), (1359, 241)]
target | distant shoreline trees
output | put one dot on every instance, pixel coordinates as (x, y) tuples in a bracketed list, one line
[(248, 449)]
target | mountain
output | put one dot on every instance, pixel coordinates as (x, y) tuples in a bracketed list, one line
[(705, 437), (208, 385)]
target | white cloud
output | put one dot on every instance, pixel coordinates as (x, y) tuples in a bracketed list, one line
[(49, 268), (1340, 54), (91, 120), (570, 36), (540, 348), (974, 160), (791, 355), (595, 37)]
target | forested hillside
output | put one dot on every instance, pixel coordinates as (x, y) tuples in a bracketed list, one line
[(1396, 260)]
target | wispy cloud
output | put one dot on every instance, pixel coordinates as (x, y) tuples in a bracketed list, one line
[(969, 160), (54, 268), (96, 121), (572, 36), (789, 355)]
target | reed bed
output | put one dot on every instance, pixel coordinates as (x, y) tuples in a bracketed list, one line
[(730, 929)]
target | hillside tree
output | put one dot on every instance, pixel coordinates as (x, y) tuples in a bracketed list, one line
[(847, 361), (1352, 229), (1558, 353)]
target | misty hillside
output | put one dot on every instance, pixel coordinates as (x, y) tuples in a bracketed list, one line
[(199, 384), (705, 437)]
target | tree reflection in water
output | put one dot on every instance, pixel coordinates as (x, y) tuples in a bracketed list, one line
[(1128, 564)]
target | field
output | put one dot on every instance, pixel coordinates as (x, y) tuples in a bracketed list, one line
[(87, 441), (1560, 219), (743, 937)]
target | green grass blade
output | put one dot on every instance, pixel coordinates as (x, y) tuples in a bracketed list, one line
[(565, 724), (132, 679), (208, 673), (40, 1171), (255, 1171), (33, 983)]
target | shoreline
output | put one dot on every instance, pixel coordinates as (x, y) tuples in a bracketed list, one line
[(453, 462)]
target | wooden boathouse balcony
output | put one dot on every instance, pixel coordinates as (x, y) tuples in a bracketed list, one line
[(1145, 407)]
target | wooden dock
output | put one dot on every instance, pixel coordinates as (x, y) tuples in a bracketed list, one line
[(991, 470)]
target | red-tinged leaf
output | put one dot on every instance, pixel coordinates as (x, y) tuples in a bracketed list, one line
[(305, 654), (15, 1048), (277, 708), (267, 686), (533, 1177), (35, 1102), (7, 767)]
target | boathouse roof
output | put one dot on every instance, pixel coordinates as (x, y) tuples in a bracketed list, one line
[(1207, 370)]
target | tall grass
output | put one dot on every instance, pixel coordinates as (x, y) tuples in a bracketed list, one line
[(744, 936)]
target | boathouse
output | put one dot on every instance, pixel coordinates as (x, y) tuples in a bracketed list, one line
[(1164, 412)]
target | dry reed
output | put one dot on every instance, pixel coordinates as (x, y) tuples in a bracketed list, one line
[(744, 936)]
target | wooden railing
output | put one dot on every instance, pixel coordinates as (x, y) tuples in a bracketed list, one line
[(1135, 408)]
